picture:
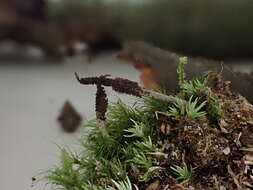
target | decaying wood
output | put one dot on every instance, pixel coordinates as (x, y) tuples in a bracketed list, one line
[(162, 67)]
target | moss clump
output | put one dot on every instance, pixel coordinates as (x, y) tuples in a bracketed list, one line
[(201, 141)]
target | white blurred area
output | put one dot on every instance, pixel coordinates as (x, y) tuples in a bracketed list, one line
[(32, 91)]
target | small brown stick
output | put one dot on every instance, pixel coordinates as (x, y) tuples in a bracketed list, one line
[(235, 178), (158, 96), (125, 86), (247, 149), (119, 85)]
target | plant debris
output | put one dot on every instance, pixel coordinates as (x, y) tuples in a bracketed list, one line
[(203, 139), (119, 85), (69, 118)]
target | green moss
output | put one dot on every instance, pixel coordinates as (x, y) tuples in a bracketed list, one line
[(131, 154)]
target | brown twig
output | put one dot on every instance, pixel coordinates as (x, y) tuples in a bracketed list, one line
[(125, 86), (158, 96), (119, 85), (235, 178)]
